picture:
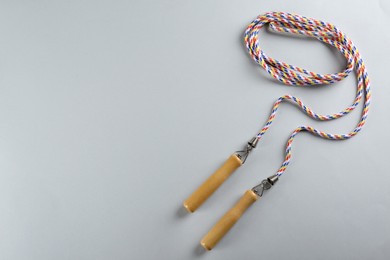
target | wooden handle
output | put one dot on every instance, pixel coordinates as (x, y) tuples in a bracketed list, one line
[(228, 220), (212, 183)]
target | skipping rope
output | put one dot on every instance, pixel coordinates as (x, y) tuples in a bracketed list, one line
[(290, 75)]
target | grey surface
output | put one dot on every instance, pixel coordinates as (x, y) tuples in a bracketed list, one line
[(113, 112)]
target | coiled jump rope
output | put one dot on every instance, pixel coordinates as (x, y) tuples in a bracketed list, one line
[(289, 75)]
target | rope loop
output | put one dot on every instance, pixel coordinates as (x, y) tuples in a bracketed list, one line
[(293, 75)]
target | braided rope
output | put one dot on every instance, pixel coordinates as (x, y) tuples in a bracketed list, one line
[(293, 75)]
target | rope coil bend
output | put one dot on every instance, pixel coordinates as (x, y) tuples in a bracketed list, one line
[(293, 75)]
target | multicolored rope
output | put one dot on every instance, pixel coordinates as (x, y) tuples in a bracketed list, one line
[(293, 75)]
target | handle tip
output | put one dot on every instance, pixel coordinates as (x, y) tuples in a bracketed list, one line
[(205, 245), (187, 207)]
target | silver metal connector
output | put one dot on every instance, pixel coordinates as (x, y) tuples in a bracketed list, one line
[(252, 143), (265, 184)]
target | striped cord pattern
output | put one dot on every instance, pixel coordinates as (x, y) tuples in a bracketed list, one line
[(293, 75)]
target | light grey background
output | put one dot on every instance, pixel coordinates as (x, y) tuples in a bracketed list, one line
[(113, 112)]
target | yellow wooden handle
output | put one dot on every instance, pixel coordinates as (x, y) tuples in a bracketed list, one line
[(228, 220), (212, 183)]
